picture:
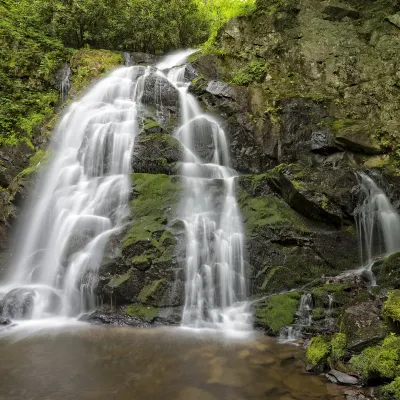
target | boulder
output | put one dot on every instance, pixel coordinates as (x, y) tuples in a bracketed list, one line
[(335, 376)]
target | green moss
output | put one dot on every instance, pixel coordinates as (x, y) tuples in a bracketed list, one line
[(389, 272), (391, 309), (318, 313), (141, 311), (379, 361), (119, 280), (253, 72), (90, 64), (391, 391), (37, 161), (338, 346), (149, 290), (149, 124), (278, 310), (155, 199), (318, 350), (267, 211)]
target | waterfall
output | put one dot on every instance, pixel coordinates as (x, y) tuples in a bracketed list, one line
[(81, 200), (215, 289), (378, 225)]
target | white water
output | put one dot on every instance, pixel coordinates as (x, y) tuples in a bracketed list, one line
[(215, 289), (303, 319), (81, 200)]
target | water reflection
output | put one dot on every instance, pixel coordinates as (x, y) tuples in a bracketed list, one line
[(124, 363)]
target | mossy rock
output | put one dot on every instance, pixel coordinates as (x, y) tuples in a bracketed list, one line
[(317, 353), (338, 346), (356, 136), (339, 292), (379, 362), (391, 309), (388, 275), (277, 311), (142, 311), (363, 325)]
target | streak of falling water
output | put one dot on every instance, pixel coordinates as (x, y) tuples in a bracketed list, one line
[(81, 200), (215, 289), (378, 225)]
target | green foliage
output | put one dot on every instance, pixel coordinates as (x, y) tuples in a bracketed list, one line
[(153, 26), (29, 59), (318, 350), (391, 309), (380, 361), (338, 346), (218, 12), (89, 64), (278, 310), (253, 72), (392, 390)]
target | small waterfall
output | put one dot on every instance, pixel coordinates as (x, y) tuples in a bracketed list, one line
[(303, 319), (378, 225), (81, 200), (215, 290), (65, 83), (330, 304)]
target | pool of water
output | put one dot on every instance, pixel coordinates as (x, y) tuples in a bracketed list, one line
[(87, 362)]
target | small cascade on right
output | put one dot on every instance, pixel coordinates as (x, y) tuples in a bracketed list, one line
[(378, 226)]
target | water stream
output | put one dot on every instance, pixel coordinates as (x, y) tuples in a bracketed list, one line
[(215, 290)]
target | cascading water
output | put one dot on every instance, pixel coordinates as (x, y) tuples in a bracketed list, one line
[(83, 195), (215, 289), (80, 202), (378, 225)]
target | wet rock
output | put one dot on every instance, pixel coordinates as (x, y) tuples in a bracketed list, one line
[(157, 154), (395, 19), (137, 58), (323, 142), (18, 304), (220, 89), (5, 321), (364, 325), (338, 13), (158, 90), (335, 376)]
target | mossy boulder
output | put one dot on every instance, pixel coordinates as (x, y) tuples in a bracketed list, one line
[(380, 362), (388, 275), (141, 311), (146, 265), (391, 391), (338, 346), (391, 308), (277, 311), (363, 325), (317, 353), (157, 153)]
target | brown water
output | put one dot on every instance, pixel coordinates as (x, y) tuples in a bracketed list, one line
[(125, 363)]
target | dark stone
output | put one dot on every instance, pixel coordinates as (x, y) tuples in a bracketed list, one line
[(137, 58), (157, 154), (4, 321), (323, 142), (158, 90)]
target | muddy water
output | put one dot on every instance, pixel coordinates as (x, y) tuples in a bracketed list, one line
[(123, 363)]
